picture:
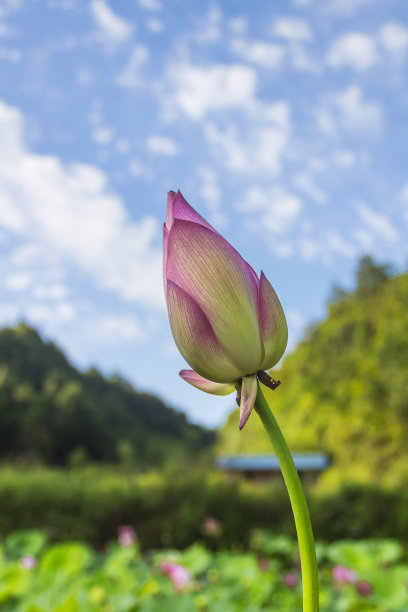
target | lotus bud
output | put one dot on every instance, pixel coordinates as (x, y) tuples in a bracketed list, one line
[(126, 536), (343, 575), (179, 576), (226, 321), (364, 588)]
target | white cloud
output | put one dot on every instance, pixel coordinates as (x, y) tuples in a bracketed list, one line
[(293, 29), (296, 33), (274, 208), (18, 281), (136, 168), (259, 150), (114, 29), (10, 54), (122, 146), (210, 192), (40, 312), (309, 248), (51, 291), (305, 183), (151, 5), (130, 77), (238, 25), (84, 76), (324, 245), (337, 244), (155, 25), (64, 215), (118, 329), (255, 145), (209, 29), (394, 37), (103, 135), (355, 50), (349, 110), (199, 90), (4, 30), (343, 158), (376, 226), (162, 145), (301, 59), (403, 197), (282, 248), (346, 8), (259, 52)]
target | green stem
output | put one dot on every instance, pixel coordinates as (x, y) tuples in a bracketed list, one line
[(307, 550)]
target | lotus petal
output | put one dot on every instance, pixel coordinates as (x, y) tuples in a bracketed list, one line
[(179, 208), (206, 385), (195, 337), (248, 396), (224, 286), (274, 329), (165, 241)]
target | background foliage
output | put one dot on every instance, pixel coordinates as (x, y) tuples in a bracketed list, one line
[(345, 388), (90, 503), (51, 412)]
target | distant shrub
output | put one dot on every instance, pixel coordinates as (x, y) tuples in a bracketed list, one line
[(89, 504)]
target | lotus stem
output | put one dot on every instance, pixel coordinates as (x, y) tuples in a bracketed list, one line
[(310, 579)]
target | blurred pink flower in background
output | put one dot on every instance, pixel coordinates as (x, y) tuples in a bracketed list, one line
[(290, 580), (211, 526), (126, 535), (28, 562), (343, 575), (180, 576), (364, 588)]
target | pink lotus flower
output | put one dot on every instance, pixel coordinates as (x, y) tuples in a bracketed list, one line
[(211, 526), (290, 580), (343, 575), (28, 562), (365, 588), (227, 323), (180, 576), (126, 535)]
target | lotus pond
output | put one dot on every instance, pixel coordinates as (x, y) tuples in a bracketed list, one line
[(36, 576)]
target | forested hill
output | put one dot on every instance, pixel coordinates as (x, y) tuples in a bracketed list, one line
[(345, 388), (51, 412)]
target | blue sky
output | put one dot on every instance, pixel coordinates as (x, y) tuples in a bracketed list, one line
[(283, 123)]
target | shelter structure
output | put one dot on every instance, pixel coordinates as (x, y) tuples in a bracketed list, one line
[(266, 467)]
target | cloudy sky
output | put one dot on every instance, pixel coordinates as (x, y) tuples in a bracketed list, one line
[(283, 123)]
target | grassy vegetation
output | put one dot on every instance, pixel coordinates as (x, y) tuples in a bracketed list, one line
[(89, 503)]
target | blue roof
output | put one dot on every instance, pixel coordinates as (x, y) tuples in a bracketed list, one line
[(267, 463)]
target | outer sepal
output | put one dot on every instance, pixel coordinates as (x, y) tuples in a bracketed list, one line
[(249, 390), (206, 385)]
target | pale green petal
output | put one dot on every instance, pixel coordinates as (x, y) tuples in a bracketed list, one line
[(218, 279), (195, 338), (272, 320)]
